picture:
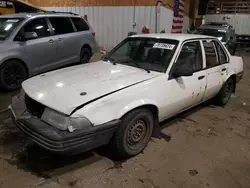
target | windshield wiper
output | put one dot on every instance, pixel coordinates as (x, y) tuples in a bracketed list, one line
[(139, 66), (111, 60)]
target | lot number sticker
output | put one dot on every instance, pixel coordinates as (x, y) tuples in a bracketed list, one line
[(164, 46)]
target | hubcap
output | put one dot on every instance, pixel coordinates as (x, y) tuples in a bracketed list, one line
[(136, 133), (13, 76)]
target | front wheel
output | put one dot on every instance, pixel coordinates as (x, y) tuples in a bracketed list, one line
[(134, 133), (12, 74), (225, 93)]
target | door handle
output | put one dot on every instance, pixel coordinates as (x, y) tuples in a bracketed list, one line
[(201, 77), (51, 41), (224, 69), (60, 39)]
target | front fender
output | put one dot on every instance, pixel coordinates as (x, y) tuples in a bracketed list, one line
[(8, 56), (134, 105), (104, 112)]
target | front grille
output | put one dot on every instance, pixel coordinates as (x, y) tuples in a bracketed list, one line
[(34, 107)]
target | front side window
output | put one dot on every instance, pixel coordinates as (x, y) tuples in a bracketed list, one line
[(190, 56), (39, 26), (61, 25), (210, 52), (80, 24), (147, 53), (7, 25)]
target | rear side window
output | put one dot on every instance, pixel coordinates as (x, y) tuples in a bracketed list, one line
[(61, 25), (221, 53), (211, 56), (80, 24)]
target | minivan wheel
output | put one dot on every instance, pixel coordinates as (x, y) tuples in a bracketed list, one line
[(85, 55), (134, 132), (12, 74), (225, 93)]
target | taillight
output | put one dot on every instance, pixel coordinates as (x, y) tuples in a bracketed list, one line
[(93, 33)]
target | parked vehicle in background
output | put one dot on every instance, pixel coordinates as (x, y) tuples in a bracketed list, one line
[(39, 42), (239, 20), (223, 31), (121, 99)]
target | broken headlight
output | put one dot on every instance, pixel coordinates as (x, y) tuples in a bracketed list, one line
[(64, 122)]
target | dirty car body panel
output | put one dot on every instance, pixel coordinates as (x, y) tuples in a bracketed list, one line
[(80, 108)]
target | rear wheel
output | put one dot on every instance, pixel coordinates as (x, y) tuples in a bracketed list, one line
[(85, 55), (133, 134), (225, 93), (12, 74)]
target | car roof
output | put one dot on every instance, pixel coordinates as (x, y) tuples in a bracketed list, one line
[(213, 27), (38, 14), (179, 37)]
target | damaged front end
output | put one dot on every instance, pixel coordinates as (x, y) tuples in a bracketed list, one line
[(23, 107), (55, 131)]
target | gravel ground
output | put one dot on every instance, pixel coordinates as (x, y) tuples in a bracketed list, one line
[(207, 146)]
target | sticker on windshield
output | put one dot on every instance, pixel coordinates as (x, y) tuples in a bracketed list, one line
[(164, 46), (12, 20)]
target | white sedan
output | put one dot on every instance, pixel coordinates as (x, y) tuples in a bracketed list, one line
[(121, 99)]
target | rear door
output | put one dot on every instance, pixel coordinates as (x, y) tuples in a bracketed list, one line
[(66, 47), (224, 61), (213, 69)]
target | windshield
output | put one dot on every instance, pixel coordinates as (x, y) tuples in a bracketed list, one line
[(220, 34), (7, 25), (145, 53)]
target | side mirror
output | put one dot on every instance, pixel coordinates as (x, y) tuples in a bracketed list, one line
[(30, 35), (179, 72)]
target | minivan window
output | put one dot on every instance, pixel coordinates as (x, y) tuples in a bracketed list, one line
[(39, 26), (61, 25), (80, 24), (7, 25)]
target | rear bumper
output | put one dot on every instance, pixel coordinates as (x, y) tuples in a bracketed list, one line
[(239, 76), (65, 142)]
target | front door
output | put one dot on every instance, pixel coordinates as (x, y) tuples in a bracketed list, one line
[(39, 53), (187, 91)]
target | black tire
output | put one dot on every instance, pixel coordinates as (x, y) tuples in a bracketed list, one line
[(12, 74), (225, 93), (134, 133), (85, 55)]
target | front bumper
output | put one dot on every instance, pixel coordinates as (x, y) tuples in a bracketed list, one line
[(239, 76), (64, 142), (57, 140)]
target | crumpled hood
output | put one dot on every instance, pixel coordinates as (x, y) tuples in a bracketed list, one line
[(65, 89)]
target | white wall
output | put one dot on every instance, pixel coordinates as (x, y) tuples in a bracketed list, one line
[(112, 24)]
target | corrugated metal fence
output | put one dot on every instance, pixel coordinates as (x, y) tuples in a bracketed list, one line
[(112, 24)]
